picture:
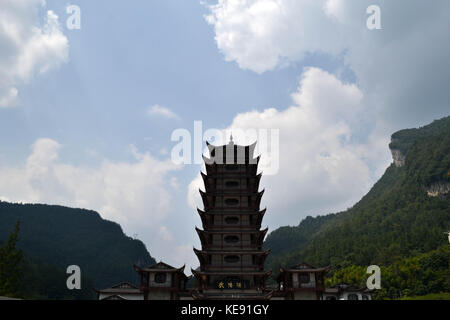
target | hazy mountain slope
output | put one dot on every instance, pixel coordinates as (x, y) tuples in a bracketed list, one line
[(55, 236), (405, 213)]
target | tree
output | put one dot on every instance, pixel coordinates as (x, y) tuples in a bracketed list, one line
[(10, 265)]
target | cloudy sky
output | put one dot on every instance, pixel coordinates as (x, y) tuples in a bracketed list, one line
[(87, 115)]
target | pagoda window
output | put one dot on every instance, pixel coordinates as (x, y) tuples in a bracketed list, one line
[(232, 184), (160, 277), (232, 202), (365, 297), (231, 259), (231, 220), (353, 297), (231, 239)]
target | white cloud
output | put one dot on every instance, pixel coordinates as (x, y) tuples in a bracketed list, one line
[(323, 168), (157, 110), (402, 69), (28, 47), (333, 140), (9, 97), (261, 34), (175, 253), (136, 194)]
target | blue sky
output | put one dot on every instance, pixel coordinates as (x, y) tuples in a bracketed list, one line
[(127, 58), (337, 91)]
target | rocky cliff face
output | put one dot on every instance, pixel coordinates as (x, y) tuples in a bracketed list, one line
[(399, 157), (438, 189)]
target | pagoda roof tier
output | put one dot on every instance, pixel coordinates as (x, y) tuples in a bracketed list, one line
[(206, 177), (223, 161), (232, 210), (210, 186), (203, 233), (231, 232), (236, 153), (248, 193), (207, 223), (213, 211), (251, 147), (241, 270), (207, 204), (201, 254), (212, 168), (234, 230), (251, 172), (230, 252), (199, 274), (261, 216), (233, 193), (202, 215)]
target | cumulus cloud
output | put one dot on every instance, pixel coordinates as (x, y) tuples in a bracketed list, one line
[(323, 167), (157, 110), (136, 194), (28, 46), (402, 69), (261, 34)]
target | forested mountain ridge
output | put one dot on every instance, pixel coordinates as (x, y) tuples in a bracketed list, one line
[(405, 214), (54, 237)]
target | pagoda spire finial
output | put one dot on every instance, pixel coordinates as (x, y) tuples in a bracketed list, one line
[(231, 138)]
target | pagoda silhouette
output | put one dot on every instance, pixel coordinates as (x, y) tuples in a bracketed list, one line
[(232, 256)]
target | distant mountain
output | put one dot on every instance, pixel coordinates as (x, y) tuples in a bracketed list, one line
[(404, 215), (54, 237)]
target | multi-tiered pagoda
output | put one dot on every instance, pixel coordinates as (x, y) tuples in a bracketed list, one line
[(232, 257)]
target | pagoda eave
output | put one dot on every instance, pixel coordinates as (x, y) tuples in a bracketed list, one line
[(230, 252), (199, 274)]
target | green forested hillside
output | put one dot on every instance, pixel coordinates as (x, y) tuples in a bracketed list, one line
[(397, 219), (420, 275), (54, 237), (286, 241)]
